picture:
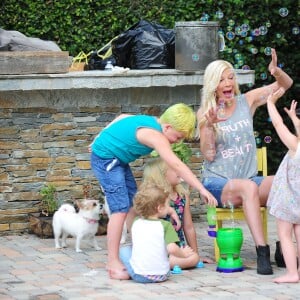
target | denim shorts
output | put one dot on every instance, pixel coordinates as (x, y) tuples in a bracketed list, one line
[(117, 182), (216, 184)]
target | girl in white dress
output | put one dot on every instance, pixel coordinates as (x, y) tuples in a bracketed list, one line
[(284, 197)]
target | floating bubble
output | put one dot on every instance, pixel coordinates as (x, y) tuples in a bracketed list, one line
[(283, 12), (278, 35), (241, 42), (204, 18), (231, 22), (263, 30), (255, 32), (268, 51), (249, 39), (230, 35), (250, 85), (281, 65), (219, 14), (268, 24), (295, 30), (253, 50), (267, 139), (255, 133), (238, 30), (263, 76), (236, 66), (238, 56), (240, 62), (243, 33), (245, 27), (246, 67), (229, 28)]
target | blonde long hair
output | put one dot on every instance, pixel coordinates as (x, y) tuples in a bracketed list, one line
[(211, 80), (155, 173)]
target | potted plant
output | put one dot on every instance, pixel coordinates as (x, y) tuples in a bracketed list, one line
[(41, 223)]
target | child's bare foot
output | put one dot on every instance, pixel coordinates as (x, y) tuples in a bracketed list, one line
[(207, 260), (287, 278)]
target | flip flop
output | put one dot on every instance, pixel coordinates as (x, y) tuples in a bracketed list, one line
[(119, 274)]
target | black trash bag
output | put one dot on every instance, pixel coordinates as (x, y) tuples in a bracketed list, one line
[(98, 59), (145, 45), (96, 62)]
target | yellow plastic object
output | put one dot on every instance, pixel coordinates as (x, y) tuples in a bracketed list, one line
[(225, 214)]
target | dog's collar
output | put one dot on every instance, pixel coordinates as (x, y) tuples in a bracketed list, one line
[(91, 221)]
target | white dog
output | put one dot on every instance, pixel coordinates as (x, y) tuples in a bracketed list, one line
[(80, 225)]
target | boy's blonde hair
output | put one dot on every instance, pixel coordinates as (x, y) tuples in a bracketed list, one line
[(211, 80), (182, 118), (147, 199), (155, 173)]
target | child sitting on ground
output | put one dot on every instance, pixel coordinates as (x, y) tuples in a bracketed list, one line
[(154, 240)]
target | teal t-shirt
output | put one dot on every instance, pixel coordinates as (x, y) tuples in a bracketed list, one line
[(118, 140)]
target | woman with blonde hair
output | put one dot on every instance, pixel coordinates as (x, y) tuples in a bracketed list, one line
[(227, 142)]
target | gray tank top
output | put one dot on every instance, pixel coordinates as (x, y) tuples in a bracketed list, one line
[(235, 146)]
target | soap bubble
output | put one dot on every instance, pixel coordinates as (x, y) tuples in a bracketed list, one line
[(295, 30), (231, 22), (230, 35), (253, 50), (263, 30), (245, 27), (219, 14), (204, 18), (283, 12), (267, 139), (243, 33), (246, 67), (255, 32), (268, 24), (268, 51), (263, 76), (278, 35), (255, 133), (238, 30)]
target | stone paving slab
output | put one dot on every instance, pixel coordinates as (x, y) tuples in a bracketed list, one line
[(31, 268)]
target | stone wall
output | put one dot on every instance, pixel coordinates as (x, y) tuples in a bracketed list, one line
[(47, 122), (44, 139)]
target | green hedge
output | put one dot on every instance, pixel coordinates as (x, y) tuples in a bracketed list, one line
[(85, 25)]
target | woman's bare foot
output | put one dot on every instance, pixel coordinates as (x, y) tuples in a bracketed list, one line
[(287, 278)]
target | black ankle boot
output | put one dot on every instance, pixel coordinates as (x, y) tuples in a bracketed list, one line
[(279, 256), (263, 260)]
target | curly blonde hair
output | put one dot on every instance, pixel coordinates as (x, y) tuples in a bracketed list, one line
[(147, 199)]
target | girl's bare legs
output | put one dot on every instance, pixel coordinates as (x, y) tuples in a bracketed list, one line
[(114, 231), (297, 237), (285, 233)]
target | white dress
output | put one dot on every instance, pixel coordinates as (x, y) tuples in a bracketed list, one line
[(284, 197)]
